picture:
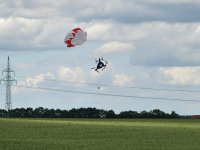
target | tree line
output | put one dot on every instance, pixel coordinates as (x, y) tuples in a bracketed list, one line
[(41, 112)]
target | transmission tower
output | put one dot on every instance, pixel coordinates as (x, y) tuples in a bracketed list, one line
[(8, 80)]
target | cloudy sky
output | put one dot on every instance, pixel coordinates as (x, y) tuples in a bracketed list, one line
[(149, 45)]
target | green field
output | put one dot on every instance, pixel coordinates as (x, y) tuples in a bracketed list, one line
[(92, 134)]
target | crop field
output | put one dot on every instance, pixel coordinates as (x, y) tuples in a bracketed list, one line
[(99, 134)]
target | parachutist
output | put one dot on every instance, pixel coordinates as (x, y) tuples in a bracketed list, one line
[(101, 64)]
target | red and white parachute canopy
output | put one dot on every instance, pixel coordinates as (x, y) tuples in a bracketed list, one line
[(75, 37)]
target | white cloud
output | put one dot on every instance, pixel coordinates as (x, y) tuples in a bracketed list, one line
[(198, 29), (38, 79), (20, 26), (123, 79), (98, 30), (42, 25), (172, 1), (114, 47), (168, 45), (32, 82), (87, 10), (111, 31), (18, 33), (25, 65), (74, 74), (181, 75)]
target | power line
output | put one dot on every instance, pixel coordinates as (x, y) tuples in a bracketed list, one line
[(112, 95), (117, 86)]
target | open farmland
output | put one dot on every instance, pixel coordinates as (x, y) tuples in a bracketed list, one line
[(92, 134)]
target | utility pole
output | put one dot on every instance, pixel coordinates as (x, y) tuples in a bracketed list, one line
[(8, 80)]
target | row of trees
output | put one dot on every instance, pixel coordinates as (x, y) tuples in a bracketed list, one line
[(83, 113)]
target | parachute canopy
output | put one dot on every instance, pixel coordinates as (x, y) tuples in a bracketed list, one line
[(75, 37)]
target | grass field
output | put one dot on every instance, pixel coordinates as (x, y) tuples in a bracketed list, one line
[(94, 134)]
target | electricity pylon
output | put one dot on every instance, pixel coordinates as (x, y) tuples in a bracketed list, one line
[(8, 80)]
